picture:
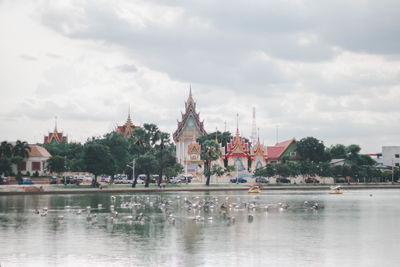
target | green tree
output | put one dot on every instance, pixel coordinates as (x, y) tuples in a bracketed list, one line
[(311, 149), (56, 164), (209, 152), (337, 151), (6, 150), (146, 163), (98, 160), (5, 166), (21, 149)]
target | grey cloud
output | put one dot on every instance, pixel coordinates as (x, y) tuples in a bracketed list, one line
[(28, 58), (127, 68)]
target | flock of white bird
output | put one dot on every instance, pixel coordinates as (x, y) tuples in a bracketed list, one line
[(132, 209)]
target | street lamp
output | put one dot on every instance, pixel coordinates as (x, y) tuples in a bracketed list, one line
[(133, 168), (392, 171)]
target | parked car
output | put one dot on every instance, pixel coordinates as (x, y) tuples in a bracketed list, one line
[(4, 181), (241, 180), (185, 178), (26, 181), (282, 180), (174, 180), (312, 181), (340, 180), (139, 180), (261, 180)]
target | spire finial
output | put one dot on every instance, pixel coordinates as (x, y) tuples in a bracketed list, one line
[(129, 112), (216, 135), (190, 90), (55, 123)]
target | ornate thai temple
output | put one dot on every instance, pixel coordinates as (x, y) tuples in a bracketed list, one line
[(189, 129), (237, 153), (127, 129), (55, 137), (259, 157)]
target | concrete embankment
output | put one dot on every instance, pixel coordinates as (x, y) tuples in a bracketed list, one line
[(39, 190)]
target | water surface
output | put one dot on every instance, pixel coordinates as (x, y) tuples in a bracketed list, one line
[(358, 228)]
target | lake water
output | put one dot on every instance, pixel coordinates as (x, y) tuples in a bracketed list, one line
[(358, 228)]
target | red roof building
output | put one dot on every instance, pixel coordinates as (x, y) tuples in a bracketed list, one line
[(55, 137), (237, 152), (127, 129), (285, 148)]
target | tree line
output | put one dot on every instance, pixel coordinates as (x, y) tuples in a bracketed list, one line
[(150, 149), (313, 158)]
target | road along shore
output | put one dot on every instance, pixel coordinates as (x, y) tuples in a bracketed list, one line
[(43, 190)]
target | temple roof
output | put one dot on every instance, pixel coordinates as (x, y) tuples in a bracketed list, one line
[(237, 147), (38, 151), (259, 150), (127, 129), (55, 136), (190, 111)]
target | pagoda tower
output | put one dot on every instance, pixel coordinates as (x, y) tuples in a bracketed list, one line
[(55, 137), (127, 129), (189, 128)]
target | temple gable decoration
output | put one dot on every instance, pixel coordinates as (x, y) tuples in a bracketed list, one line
[(190, 123), (127, 129), (55, 137)]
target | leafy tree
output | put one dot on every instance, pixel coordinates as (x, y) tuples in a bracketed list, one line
[(209, 152), (98, 160), (21, 149), (5, 166), (337, 151), (311, 149), (6, 150), (146, 163), (118, 147), (173, 170), (324, 169), (56, 164), (282, 169)]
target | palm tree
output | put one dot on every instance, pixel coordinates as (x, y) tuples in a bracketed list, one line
[(21, 149), (6, 149)]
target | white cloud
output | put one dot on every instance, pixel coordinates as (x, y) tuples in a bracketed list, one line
[(314, 70)]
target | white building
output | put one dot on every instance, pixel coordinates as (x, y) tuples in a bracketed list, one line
[(390, 156), (36, 161)]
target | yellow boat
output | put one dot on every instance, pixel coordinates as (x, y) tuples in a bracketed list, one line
[(254, 189), (336, 190)]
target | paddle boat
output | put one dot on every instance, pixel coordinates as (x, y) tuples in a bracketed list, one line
[(254, 189), (336, 190)]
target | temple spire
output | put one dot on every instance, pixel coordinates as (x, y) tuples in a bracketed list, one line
[(55, 123), (237, 123)]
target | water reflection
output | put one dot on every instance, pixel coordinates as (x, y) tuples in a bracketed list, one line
[(180, 229)]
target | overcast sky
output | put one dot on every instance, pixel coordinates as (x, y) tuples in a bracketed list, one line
[(328, 69)]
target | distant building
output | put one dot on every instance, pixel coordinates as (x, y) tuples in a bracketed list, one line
[(35, 162), (189, 129), (55, 137), (237, 153), (259, 157), (390, 156), (286, 149), (127, 129)]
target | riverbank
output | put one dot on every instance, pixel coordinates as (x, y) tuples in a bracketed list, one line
[(72, 189)]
